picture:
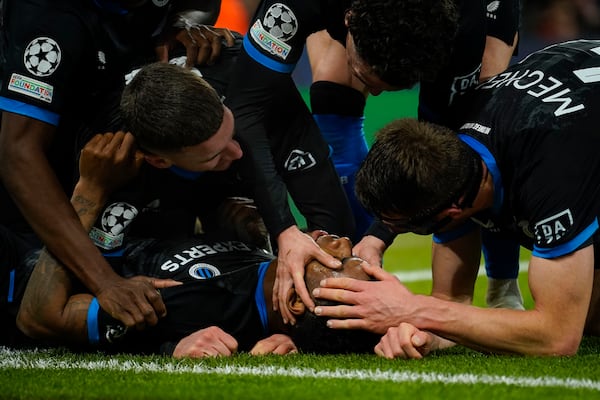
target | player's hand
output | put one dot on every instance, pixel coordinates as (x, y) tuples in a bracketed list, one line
[(370, 305), (208, 342), (134, 302), (275, 344), (370, 249), (107, 162), (203, 43), (296, 249), (239, 219), (406, 341)]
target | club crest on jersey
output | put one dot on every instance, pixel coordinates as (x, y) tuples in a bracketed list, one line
[(553, 228), (31, 87), (42, 56), (491, 9), (203, 271), (299, 159)]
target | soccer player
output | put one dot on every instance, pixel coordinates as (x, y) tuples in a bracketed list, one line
[(284, 150), (63, 65), (217, 293), (483, 46), (523, 163), (186, 135)]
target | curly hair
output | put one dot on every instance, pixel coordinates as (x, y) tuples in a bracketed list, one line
[(167, 107), (413, 168), (404, 42)]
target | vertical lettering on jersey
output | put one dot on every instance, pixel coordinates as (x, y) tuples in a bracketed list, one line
[(273, 31), (550, 230)]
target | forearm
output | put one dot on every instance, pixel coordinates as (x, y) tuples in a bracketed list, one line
[(487, 330)]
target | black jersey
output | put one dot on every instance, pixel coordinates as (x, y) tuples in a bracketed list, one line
[(284, 149), (164, 203), (64, 63), (477, 19), (222, 286), (535, 127)]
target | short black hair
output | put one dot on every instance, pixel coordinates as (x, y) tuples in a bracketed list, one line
[(311, 335)]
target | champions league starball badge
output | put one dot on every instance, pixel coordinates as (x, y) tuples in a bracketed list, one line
[(42, 56)]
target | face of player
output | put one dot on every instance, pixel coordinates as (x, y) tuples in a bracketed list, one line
[(363, 71), (341, 248), (214, 154)]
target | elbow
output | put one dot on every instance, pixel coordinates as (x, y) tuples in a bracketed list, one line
[(563, 345), (32, 327)]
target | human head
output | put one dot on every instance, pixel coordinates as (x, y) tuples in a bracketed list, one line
[(416, 170), (178, 119), (310, 333), (393, 45)]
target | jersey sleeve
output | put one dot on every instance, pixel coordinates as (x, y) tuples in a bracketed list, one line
[(504, 19), (42, 61)]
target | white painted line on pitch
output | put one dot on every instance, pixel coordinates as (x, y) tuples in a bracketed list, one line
[(44, 360), (425, 274)]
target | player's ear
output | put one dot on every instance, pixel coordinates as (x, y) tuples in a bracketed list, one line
[(294, 303), (157, 161)]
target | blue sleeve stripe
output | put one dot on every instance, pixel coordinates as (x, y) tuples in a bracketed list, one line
[(490, 161), (259, 296), (264, 60), (568, 247), (116, 253), (11, 286), (28, 110), (92, 322), (460, 231)]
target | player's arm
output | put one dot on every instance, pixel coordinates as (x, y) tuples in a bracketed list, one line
[(48, 310), (454, 267), (501, 39)]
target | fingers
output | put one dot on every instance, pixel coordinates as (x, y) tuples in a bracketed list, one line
[(302, 291), (404, 341), (164, 283)]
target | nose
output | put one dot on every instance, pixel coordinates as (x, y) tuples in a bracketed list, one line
[(234, 150)]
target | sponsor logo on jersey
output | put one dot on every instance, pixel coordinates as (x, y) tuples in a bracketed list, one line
[(105, 240), (194, 253), (298, 160), (491, 9), (462, 83), (160, 3), (477, 127), (203, 271), (553, 228), (114, 333), (42, 56), (31, 87), (546, 88)]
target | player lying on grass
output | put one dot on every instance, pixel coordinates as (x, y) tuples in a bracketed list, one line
[(217, 293)]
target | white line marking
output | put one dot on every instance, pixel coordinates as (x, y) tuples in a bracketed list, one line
[(425, 274), (41, 359)]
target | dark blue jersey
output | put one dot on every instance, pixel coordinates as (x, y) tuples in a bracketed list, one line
[(283, 146), (535, 127), (222, 286)]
